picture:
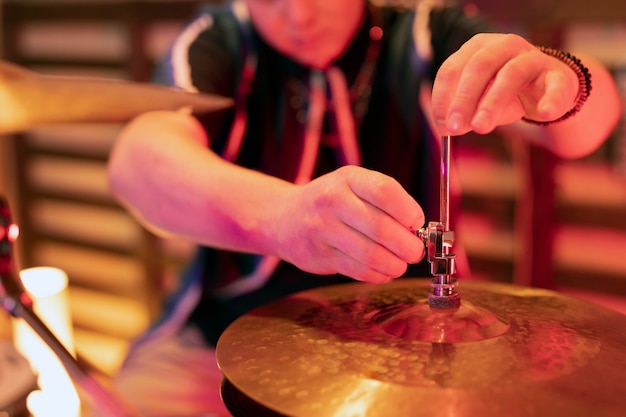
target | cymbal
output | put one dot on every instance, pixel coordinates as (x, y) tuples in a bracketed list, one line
[(29, 100), (327, 352)]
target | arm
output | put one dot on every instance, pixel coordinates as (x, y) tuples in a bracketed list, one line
[(495, 80), (352, 221)]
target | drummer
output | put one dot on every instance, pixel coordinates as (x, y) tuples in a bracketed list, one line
[(327, 165)]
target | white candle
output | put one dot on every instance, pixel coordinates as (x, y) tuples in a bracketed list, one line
[(47, 287)]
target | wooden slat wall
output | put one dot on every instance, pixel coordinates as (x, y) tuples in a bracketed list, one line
[(119, 273)]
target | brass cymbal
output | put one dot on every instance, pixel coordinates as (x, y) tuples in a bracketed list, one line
[(332, 352), (29, 100)]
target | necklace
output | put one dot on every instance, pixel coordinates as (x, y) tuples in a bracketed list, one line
[(361, 88)]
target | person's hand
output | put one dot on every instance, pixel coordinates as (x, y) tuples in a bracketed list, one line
[(496, 79), (352, 221)]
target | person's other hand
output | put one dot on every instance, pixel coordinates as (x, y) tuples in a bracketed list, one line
[(352, 221), (496, 79)]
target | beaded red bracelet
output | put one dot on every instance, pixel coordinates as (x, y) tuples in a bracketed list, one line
[(584, 82)]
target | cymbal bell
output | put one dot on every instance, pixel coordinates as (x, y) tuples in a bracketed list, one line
[(29, 99), (330, 351)]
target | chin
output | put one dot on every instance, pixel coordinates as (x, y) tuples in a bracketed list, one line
[(316, 62), (312, 56)]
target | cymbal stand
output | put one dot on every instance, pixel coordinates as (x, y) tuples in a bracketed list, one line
[(438, 239), (16, 301)]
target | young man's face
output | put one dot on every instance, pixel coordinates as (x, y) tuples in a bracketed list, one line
[(312, 32)]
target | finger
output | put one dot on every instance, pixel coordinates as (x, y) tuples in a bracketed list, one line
[(360, 272), (477, 78), (363, 259), (556, 101), (377, 226), (386, 194), (444, 88), (447, 81), (500, 103)]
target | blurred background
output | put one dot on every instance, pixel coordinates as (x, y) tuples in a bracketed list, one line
[(528, 217)]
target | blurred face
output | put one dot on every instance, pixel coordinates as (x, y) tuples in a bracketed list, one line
[(312, 32)]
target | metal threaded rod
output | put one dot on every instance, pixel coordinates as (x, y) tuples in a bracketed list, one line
[(443, 293), (444, 199)]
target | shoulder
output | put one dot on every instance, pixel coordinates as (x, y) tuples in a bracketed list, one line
[(455, 22), (450, 27), (203, 54)]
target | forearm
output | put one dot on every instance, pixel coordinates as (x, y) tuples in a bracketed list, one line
[(162, 170), (352, 221)]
